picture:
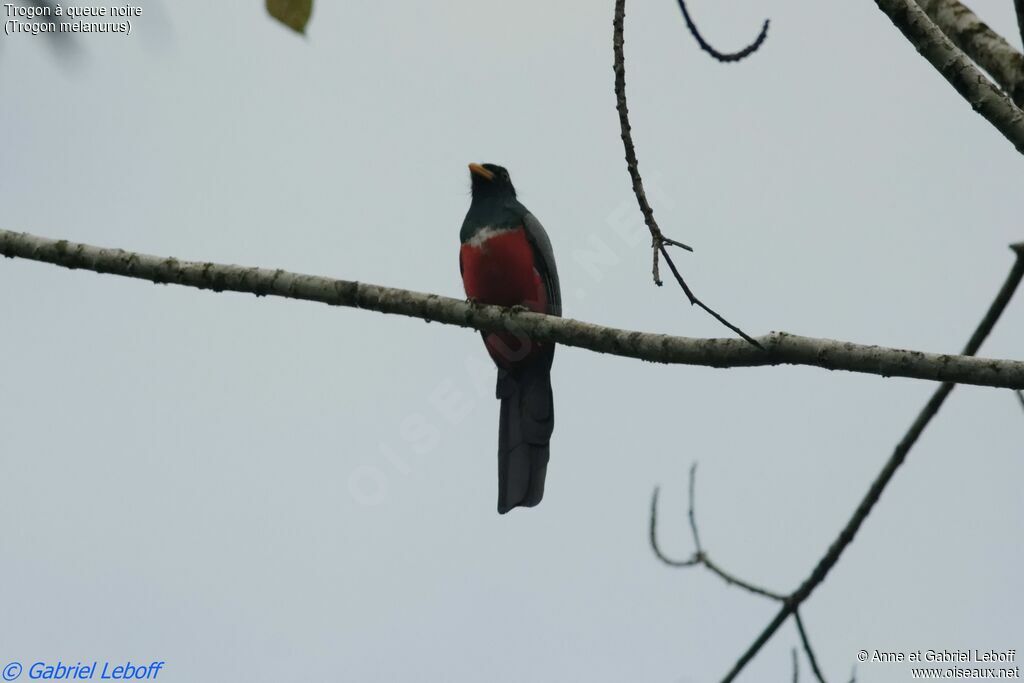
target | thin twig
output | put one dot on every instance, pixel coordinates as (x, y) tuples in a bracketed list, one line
[(1020, 397), (796, 667), (694, 300), (783, 348), (658, 240), (745, 585), (653, 527), (723, 56), (690, 509), (699, 555), (672, 242), (655, 271), (929, 411), (807, 647), (632, 165)]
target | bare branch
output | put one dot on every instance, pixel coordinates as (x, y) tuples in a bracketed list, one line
[(1020, 397), (929, 411), (796, 666), (658, 240), (986, 47), (740, 583), (722, 56), (782, 348), (690, 509), (807, 647), (694, 559), (699, 556), (694, 300), (956, 68), (626, 129)]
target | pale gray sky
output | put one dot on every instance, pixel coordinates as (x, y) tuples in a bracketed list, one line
[(177, 464)]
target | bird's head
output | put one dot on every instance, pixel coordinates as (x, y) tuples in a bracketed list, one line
[(490, 180)]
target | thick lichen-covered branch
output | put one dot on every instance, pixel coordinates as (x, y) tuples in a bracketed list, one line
[(988, 49), (986, 99), (779, 347)]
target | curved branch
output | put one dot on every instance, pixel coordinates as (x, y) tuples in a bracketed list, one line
[(780, 347), (899, 454), (658, 239), (699, 556), (722, 56), (955, 67), (990, 50), (632, 165), (653, 528)]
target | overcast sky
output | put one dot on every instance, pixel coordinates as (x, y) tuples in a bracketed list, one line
[(263, 490)]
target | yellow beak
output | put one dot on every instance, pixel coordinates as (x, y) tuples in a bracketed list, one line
[(479, 170)]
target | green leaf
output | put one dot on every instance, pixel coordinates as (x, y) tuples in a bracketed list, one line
[(292, 13)]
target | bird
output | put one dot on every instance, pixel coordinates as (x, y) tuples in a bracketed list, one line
[(505, 259)]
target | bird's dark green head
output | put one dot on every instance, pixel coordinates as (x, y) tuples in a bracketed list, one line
[(491, 181), (494, 202)]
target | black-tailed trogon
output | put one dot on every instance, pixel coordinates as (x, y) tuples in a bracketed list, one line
[(506, 260)]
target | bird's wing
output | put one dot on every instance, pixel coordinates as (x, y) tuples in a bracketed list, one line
[(545, 260)]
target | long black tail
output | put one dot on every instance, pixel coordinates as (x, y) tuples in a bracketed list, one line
[(524, 431)]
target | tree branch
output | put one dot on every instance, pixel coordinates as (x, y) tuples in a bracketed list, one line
[(781, 347), (956, 68), (699, 556), (658, 240), (807, 647), (986, 47), (722, 56), (929, 411)]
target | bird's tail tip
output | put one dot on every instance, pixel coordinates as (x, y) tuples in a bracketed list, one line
[(523, 482)]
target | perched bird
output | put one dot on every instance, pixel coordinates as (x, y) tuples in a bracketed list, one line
[(506, 260)]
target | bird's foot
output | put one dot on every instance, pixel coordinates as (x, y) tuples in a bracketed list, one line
[(519, 308)]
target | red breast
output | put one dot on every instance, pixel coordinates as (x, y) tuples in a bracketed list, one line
[(498, 268)]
